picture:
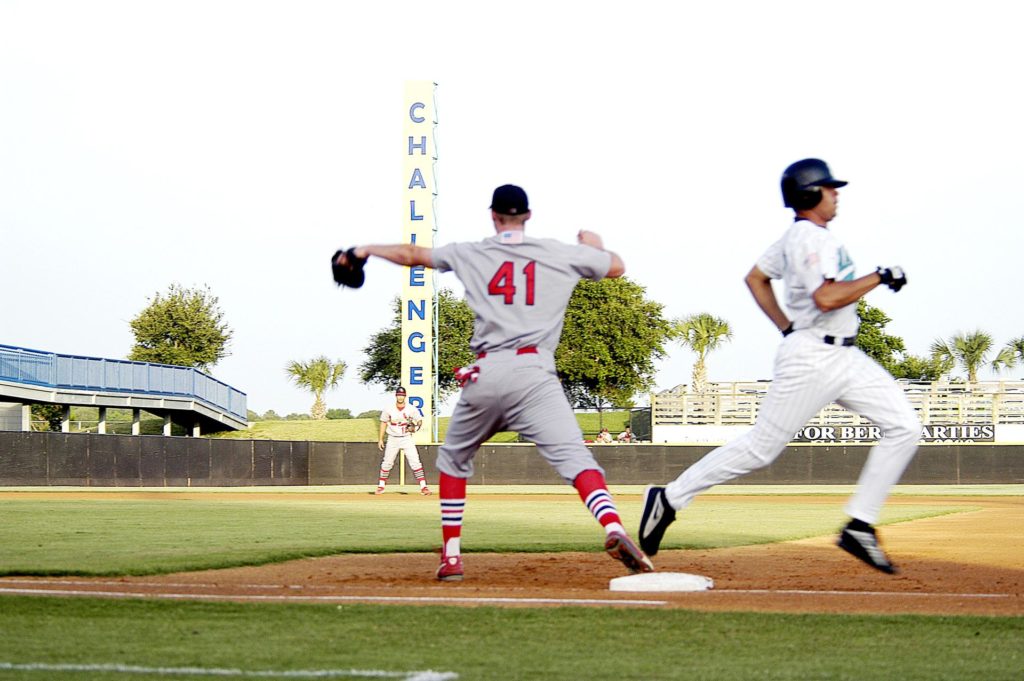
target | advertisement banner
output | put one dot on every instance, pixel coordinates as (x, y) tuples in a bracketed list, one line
[(418, 192), (946, 433)]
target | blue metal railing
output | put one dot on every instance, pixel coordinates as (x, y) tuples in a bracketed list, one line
[(34, 367)]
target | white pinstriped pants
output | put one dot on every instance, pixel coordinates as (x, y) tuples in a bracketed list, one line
[(809, 374)]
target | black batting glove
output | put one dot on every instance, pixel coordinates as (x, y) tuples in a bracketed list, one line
[(788, 330), (893, 277)]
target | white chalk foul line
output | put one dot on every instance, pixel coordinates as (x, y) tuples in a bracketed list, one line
[(166, 585), (331, 599), (428, 675), (899, 594), (429, 599)]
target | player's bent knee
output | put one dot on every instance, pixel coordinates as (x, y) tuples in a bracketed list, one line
[(908, 431), (456, 468)]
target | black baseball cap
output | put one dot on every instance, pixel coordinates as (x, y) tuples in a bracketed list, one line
[(509, 199), (400, 391)]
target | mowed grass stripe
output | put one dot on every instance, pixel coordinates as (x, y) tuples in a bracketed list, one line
[(106, 536), (505, 643)]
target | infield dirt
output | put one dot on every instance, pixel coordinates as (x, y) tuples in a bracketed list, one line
[(964, 563)]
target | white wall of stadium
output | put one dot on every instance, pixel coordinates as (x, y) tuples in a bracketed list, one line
[(826, 434)]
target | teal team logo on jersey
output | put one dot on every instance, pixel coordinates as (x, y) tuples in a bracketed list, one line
[(845, 265)]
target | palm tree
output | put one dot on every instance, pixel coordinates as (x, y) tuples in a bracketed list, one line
[(702, 333), (969, 350), (317, 376), (1009, 355)]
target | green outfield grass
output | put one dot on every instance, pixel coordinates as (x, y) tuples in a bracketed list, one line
[(329, 430), (106, 536), (492, 643), (106, 640), (366, 430)]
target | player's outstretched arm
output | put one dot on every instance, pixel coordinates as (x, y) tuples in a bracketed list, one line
[(832, 295), (409, 255), (592, 239), (760, 285)]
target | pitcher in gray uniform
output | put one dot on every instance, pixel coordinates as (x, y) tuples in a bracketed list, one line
[(817, 363), (518, 288)]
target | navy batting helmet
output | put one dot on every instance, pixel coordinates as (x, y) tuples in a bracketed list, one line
[(802, 183)]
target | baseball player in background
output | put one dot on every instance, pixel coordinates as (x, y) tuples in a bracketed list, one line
[(816, 364), (518, 288), (399, 421)]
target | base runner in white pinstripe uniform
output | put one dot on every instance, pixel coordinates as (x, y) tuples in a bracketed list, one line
[(816, 364), (518, 288)]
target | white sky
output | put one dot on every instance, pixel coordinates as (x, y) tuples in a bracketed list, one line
[(237, 144)]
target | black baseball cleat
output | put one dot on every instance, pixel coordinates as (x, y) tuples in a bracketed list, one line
[(859, 540), (656, 518)]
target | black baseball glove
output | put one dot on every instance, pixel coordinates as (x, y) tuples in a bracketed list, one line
[(348, 269), (893, 277)]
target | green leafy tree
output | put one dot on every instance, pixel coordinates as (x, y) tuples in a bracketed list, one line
[(383, 363), (371, 414), (874, 341), (339, 414), (51, 416), (969, 351), (317, 376), (611, 339), (916, 368), (271, 415), (250, 415), (184, 327), (703, 333), (890, 351)]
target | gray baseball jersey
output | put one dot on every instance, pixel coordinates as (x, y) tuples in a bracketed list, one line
[(518, 289)]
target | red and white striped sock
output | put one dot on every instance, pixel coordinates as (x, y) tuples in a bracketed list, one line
[(453, 503), (420, 477), (382, 479), (594, 493)]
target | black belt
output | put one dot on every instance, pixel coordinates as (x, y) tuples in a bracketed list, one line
[(846, 342)]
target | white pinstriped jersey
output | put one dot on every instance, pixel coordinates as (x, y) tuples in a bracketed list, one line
[(518, 287), (804, 258)]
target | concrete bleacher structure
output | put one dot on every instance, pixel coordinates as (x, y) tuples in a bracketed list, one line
[(949, 411), (178, 394)]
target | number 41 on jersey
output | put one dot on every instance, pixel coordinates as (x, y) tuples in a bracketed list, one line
[(503, 282)]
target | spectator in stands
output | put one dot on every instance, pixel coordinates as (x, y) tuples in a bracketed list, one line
[(604, 437), (627, 435)]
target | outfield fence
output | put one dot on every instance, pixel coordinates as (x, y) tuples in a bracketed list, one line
[(40, 459)]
